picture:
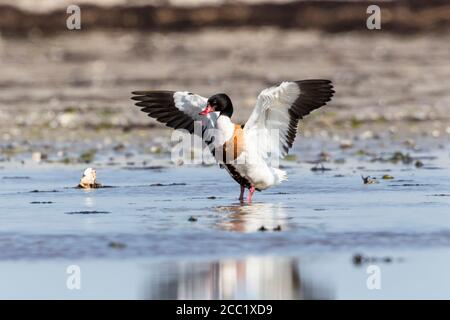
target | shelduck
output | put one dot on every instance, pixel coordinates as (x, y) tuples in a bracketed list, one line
[(244, 151)]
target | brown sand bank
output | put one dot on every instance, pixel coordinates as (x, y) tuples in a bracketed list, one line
[(407, 16), (68, 87)]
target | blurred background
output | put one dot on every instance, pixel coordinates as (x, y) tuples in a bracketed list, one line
[(65, 105), (59, 85)]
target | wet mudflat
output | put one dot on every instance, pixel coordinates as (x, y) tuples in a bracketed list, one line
[(158, 230), (166, 231)]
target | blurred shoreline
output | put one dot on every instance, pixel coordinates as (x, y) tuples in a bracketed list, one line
[(76, 88), (71, 86), (25, 17)]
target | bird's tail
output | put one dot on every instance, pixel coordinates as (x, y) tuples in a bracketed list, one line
[(279, 175)]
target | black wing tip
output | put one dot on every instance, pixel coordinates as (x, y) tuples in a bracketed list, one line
[(152, 92), (323, 88), (317, 81)]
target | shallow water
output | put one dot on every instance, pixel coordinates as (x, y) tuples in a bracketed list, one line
[(136, 238)]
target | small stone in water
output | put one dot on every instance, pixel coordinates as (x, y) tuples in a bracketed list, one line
[(262, 228), (192, 219), (116, 245), (419, 164), (89, 179), (357, 259), (366, 135), (290, 157), (36, 156), (388, 177), (87, 156), (346, 144), (155, 149), (369, 180)]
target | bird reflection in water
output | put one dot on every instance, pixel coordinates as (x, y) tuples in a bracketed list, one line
[(252, 217), (249, 278)]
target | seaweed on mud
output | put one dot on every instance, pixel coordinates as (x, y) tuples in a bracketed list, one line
[(16, 178), (119, 147), (359, 259), (88, 212), (156, 168), (399, 157), (369, 180), (320, 168), (91, 186), (97, 186), (418, 164), (44, 191), (117, 245), (87, 156), (168, 184), (412, 185), (290, 157)]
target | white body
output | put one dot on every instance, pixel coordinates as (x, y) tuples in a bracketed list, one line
[(264, 134), (267, 136)]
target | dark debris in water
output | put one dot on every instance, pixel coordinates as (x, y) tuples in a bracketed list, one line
[(359, 259), (262, 229), (320, 168), (117, 245), (90, 186), (419, 164), (192, 219), (167, 184), (212, 197), (44, 191), (146, 168), (87, 156), (396, 157), (277, 228), (411, 185), (401, 157), (88, 212), (41, 202), (96, 186), (369, 180), (16, 178)]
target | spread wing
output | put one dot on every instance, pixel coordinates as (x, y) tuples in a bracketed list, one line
[(176, 109), (274, 121)]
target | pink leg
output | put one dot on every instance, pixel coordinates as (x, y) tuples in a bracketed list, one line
[(241, 197), (251, 192)]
